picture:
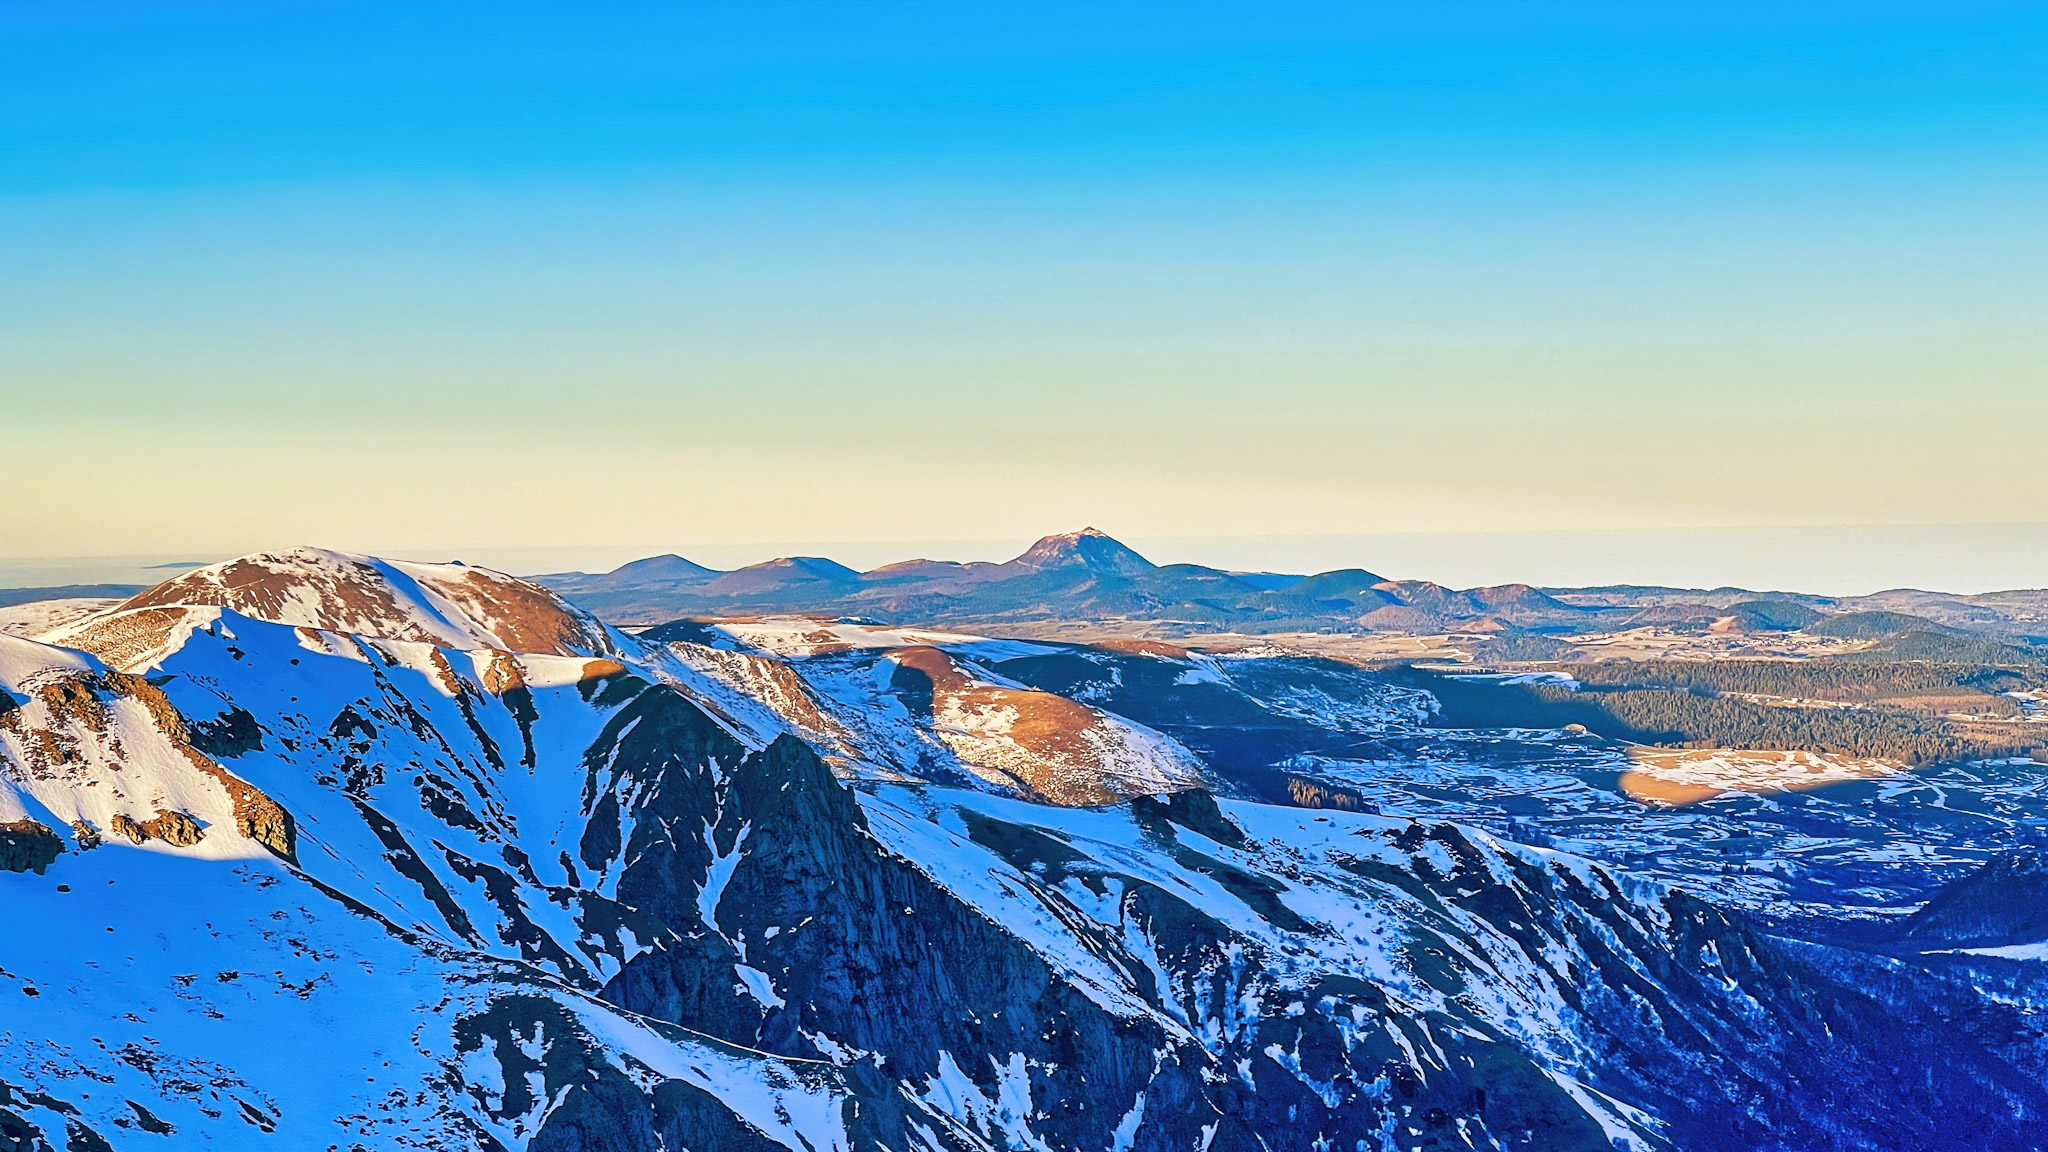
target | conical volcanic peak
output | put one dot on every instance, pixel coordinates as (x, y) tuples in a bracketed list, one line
[(665, 567), (1089, 548)]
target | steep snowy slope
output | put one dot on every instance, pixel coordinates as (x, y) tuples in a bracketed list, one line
[(184, 929), (906, 703), (155, 1000), (462, 896), (106, 754)]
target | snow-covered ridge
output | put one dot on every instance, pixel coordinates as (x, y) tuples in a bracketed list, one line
[(910, 703), (447, 605), (1042, 744)]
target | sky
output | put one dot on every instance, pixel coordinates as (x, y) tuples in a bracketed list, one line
[(1556, 285)]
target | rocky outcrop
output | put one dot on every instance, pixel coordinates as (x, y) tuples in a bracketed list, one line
[(266, 822), (28, 846), (70, 725), (257, 816), (177, 829), (126, 639)]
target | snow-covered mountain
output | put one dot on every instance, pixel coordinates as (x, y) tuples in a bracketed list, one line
[(1090, 548), (311, 850), (914, 704), (448, 605)]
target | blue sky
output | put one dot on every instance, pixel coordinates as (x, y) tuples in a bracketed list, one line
[(443, 277)]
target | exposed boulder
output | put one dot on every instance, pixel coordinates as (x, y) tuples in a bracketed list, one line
[(28, 846), (175, 828)]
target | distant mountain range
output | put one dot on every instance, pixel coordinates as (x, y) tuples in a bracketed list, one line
[(1085, 575), (1088, 575)]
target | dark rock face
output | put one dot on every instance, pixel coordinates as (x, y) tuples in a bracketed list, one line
[(2005, 902), (28, 846), (232, 733), (822, 945), (18, 1135)]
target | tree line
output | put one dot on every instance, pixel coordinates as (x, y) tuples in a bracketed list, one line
[(1679, 718), (1830, 679)]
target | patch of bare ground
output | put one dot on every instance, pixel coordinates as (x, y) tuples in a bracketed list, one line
[(1133, 647), (344, 594), (522, 617), (353, 596), (122, 638), (1654, 789)]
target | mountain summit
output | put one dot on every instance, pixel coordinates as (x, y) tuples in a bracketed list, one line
[(1089, 548), (446, 605), (665, 567)]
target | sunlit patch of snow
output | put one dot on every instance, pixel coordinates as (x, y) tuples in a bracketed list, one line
[(40, 616), (1675, 776), (801, 636), (1628, 1128), (2036, 951)]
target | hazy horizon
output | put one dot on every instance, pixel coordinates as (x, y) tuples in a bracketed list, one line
[(1841, 560)]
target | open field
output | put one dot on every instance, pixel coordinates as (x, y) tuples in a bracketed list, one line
[(1655, 643), (1676, 777)]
